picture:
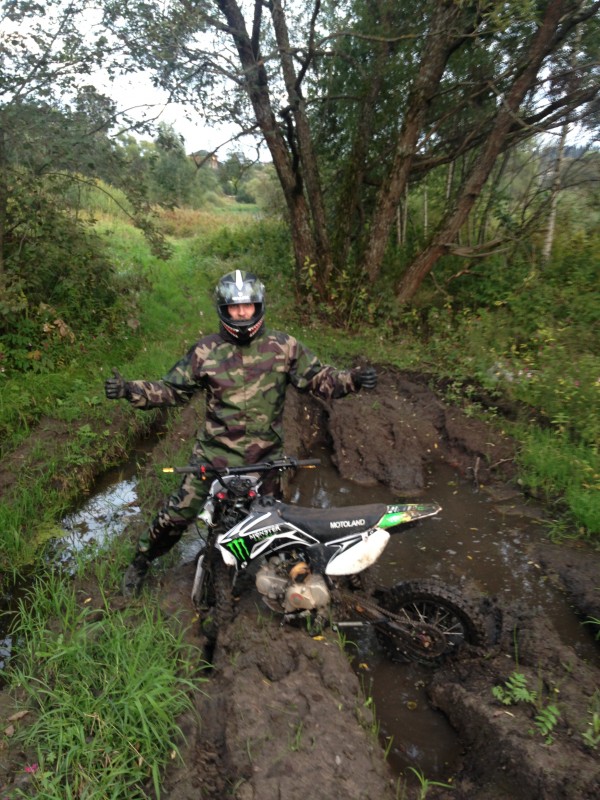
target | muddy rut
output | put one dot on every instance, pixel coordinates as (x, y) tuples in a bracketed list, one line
[(283, 714)]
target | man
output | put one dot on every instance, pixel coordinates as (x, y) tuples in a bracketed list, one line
[(244, 371)]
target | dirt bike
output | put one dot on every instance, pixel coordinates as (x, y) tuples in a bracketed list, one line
[(313, 566)]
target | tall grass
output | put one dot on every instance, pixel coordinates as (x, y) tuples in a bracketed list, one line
[(567, 473), (104, 687)]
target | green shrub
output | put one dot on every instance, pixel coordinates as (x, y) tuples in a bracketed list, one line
[(261, 246)]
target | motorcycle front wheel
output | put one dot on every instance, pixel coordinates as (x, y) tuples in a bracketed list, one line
[(440, 621), (212, 592)]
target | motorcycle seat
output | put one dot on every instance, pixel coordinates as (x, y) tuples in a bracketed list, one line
[(328, 524)]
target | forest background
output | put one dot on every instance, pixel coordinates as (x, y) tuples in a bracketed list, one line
[(424, 193)]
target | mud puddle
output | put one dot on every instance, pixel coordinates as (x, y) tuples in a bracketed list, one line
[(102, 516), (479, 540)]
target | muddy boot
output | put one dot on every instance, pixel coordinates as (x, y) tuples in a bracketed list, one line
[(135, 575)]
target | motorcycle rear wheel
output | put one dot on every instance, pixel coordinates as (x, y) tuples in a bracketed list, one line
[(433, 605)]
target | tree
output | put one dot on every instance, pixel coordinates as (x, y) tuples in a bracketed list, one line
[(54, 138), (233, 171), (422, 84), (171, 173), (507, 115)]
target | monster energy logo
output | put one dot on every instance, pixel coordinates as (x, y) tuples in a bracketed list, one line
[(239, 548)]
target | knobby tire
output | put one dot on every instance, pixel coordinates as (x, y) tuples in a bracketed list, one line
[(433, 604), (216, 609)]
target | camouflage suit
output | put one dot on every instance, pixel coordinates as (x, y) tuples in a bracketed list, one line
[(245, 389)]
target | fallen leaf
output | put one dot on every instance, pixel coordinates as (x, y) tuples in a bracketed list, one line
[(18, 715)]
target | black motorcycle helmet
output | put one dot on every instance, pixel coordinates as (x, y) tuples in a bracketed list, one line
[(236, 288)]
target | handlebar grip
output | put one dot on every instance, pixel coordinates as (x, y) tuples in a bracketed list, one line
[(207, 469), (183, 470)]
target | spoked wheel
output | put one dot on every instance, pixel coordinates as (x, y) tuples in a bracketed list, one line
[(428, 622)]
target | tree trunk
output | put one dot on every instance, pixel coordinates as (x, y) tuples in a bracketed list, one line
[(485, 216), (308, 159), (3, 201), (471, 189), (425, 209), (442, 39), (449, 180), (554, 192), (353, 177), (306, 250)]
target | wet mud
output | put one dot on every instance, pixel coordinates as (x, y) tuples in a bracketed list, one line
[(285, 714)]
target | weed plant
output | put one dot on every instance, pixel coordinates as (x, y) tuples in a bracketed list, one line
[(424, 785), (516, 690), (591, 734)]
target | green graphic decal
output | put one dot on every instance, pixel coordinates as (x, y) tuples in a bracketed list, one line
[(239, 548), (390, 520), (407, 512)]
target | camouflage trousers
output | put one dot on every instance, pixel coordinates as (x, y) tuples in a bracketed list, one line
[(169, 525), (181, 510)]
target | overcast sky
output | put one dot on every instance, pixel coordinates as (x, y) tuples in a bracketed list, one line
[(143, 101)]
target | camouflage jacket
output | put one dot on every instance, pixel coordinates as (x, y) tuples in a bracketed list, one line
[(245, 389)]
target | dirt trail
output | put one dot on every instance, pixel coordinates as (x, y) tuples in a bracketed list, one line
[(284, 716)]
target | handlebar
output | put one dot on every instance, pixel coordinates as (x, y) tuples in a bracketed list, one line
[(202, 470)]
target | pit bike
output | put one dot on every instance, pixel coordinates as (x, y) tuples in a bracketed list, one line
[(312, 566)]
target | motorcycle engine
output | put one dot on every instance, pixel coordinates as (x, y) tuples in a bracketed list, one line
[(292, 585)]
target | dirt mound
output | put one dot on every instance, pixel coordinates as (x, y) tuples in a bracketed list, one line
[(513, 751), (283, 715), (390, 436)]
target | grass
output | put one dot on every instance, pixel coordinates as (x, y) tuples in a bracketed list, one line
[(425, 784), (104, 689), (553, 466)]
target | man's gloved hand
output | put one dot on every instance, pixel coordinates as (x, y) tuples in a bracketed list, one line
[(116, 387), (364, 377)]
